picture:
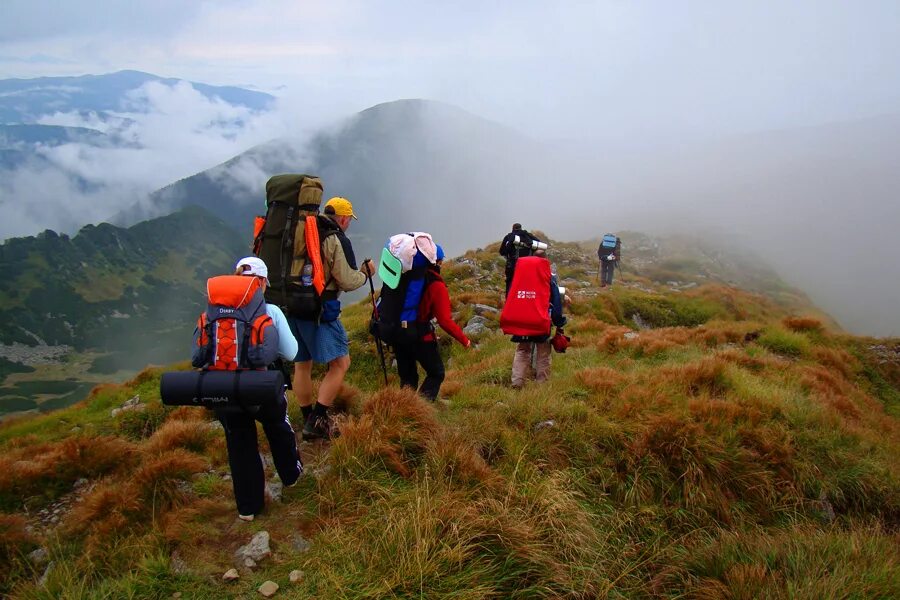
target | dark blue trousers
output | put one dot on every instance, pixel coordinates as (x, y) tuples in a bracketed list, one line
[(247, 474), (607, 270)]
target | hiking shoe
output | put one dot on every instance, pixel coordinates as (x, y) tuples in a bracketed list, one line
[(245, 517), (320, 428)]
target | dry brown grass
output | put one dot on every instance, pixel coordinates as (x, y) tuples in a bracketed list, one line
[(837, 359), (601, 379), (193, 434), (705, 376), (803, 324), (456, 460), (395, 429), (613, 339), (40, 468)]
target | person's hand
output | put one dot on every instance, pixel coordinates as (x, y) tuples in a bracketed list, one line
[(468, 345), (367, 268)]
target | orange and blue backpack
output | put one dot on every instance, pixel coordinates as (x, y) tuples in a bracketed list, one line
[(234, 333)]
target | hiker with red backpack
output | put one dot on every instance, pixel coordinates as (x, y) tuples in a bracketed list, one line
[(434, 304), (324, 339), (533, 306), (239, 335)]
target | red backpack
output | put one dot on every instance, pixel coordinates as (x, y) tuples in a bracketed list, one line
[(235, 332), (527, 308)]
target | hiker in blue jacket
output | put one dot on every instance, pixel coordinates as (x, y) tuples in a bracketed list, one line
[(247, 473)]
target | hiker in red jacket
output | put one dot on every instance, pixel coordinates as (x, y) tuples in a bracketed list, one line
[(435, 304)]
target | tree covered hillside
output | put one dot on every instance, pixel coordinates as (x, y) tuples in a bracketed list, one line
[(695, 441), (113, 289)]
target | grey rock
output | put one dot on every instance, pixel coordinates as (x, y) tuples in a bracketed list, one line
[(640, 322), (39, 556), (42, 582), (80, 483), (257, 549), (178, 565), (268, 589), (549, 424), (133, 401), (274, 489), (630, 335), (249, 563), (475, 330), (231, 575), (484, 309), (477, 319), (300, 543), (826, 507), (295, 576)]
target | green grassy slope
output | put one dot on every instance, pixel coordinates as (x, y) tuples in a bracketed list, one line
[(736, 449)]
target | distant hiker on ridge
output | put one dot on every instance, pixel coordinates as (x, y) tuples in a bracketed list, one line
[(610, 253), (533, 307), (325, 340), (516, 244)]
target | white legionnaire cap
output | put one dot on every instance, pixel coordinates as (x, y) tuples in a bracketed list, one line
[(253, 265)]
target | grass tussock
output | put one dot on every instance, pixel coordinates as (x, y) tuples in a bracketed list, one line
[(43, 472), (803, 324), (394, 430)]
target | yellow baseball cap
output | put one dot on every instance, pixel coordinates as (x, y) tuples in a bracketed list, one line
[(342, 207)]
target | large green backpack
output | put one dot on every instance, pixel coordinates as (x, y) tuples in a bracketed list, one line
[(290, 198)]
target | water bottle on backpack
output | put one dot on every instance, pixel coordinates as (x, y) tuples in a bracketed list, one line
[(306, 276)]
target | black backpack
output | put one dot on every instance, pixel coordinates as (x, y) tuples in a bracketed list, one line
[(396, 317)]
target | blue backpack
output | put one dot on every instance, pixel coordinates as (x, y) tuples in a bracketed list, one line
[(609, 242)]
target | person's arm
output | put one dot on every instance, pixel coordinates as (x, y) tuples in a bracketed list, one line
[(556, 310), (439, 298), (504, 246), (287, 343), (342, 273)]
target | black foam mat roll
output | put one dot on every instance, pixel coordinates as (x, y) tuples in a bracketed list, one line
[(247, 390)]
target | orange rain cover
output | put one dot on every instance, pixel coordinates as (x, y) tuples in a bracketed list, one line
[(314, 253), (231, 290)]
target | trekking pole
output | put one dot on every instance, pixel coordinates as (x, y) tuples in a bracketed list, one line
[(375, 315)]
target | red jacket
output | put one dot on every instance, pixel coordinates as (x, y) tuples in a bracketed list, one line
[(435, 304)]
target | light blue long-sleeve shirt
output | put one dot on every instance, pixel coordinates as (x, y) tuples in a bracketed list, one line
[(287, 343)]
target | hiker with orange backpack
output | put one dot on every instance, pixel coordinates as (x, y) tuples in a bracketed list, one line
[(243, 334), (534, 305), (324, 340)]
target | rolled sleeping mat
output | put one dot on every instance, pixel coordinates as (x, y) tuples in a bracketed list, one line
[(233, 391)]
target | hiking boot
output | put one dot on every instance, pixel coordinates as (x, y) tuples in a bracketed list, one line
[(320, 428), (245, 517)]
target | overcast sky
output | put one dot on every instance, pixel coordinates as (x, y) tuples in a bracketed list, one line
[(605, 70)]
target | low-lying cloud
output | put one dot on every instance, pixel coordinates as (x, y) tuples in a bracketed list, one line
[(164, 133)]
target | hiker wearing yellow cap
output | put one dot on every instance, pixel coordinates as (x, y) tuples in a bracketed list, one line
[(325, 341)]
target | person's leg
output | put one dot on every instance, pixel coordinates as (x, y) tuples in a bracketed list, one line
[(509, 276), (542, 361), (282, 441), (247, 475), (303, 385), (406, 365), (333, 349), (305, 333), (334, 378), (429, 356), (520, 363)]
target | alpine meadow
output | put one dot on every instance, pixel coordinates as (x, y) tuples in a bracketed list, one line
[(469, 301)]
